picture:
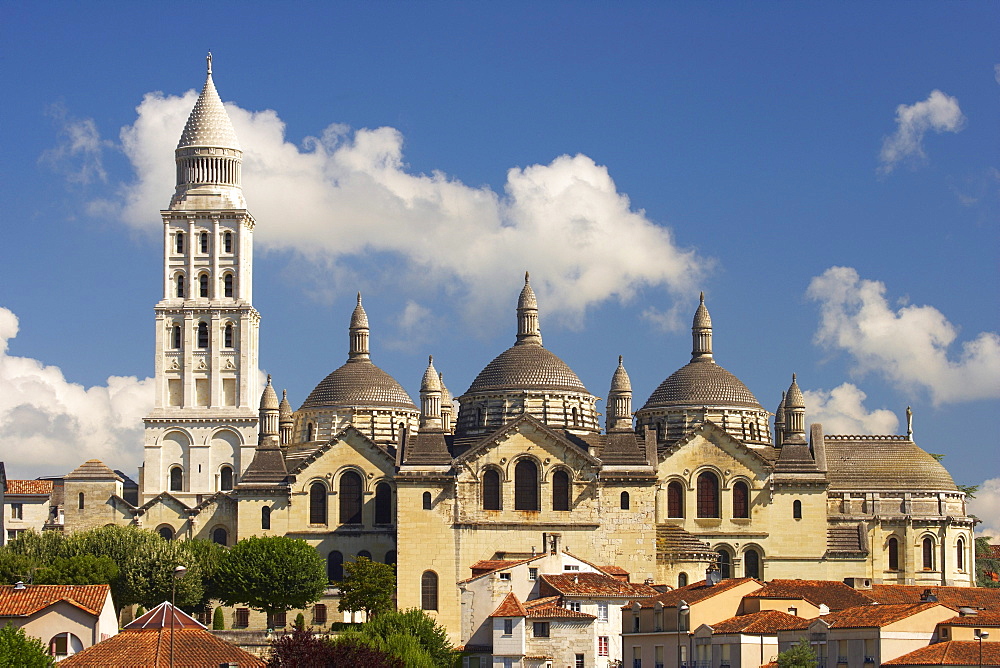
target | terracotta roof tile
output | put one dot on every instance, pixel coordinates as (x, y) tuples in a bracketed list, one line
[(596, 584), (159, 618), (868, 616), (193, 648), (990, 618), (614, 570), (981, 598), (951, 653), (835, 595), (31, 599), (763, 622), (511, 607), (692, 592), (549, 608), (29, 487)]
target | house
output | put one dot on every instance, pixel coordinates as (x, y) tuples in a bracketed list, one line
[(804, 598), (964, 653), (969, 625), (26, 506), (164, 636), (540, 634), (745, 641), (67, 618)]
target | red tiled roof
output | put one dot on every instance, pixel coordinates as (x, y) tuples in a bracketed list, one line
[(548, 608), (614, 570), (951, 653), (511, 607), (981, 598), (193, 648), (868, 616), (487, 565), (835, 595), (33, 598), (692, 592), (763, 622), (989, 618), (43, 487), (596, 584), (159, 618)]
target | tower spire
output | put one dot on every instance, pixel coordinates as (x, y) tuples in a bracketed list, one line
[(359, 333), (619, 400), (528, 332), (701, 333)]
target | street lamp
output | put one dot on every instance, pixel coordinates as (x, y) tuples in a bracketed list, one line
[(981, 636), (682, 609), (178, 574)]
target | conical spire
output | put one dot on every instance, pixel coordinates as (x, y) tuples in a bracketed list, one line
[(430, 398), (209, 124), (701, 332), (359, 333), (446, 407), (286, 420), (528, 332), (268, 398), (779, 422), (795, 414), (619, 409), (269, 408)]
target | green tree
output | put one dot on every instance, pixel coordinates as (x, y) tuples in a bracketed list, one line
[(20, 651), (218, 620), (120, 544), (82, 569), (430, 635), (208, 555), (17, 567), (272, 574), (367, 586), (799, 655), (148, 577), (986, 563)]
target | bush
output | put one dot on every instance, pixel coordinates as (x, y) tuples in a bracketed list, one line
[(20, 651), (219, 619), (430, 635)]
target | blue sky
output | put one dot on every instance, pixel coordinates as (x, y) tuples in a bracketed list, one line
[(826, 173)]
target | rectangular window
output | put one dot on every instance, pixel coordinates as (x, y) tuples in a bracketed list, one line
[(571, 567), (635, 623), (242, 618), (17, 511), (602, 646), (505, 575), (508, 627), (602, 612), (532, 574), (579, 661), (540, 629), (573, 605), (278, 620), (319, 614)]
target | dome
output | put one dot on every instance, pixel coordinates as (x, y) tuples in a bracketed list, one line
[(431, 382), (702, 382), (528, 367), (359, 383)]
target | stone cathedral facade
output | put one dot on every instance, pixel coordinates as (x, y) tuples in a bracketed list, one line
[(697, 477)]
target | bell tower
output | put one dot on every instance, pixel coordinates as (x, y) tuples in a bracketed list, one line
[(202, 431)]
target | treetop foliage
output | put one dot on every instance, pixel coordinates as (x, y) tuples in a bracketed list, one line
[(18, 650), (799, 655), (367, 586), (271, 574)]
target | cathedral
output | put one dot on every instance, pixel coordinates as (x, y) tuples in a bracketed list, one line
[(519, 465)]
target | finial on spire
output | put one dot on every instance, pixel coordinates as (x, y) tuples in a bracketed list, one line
[(268, 379), (359, 298), (701, 297), (526, 276), (909, 423), (208, 61), (284, 395), (620, 360)]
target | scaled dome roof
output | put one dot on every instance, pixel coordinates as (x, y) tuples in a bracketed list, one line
[(526, 367), (359, 383), (702, 382)]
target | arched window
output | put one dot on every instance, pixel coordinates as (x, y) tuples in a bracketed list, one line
[(751, 564), (227, 242), (960, 554), (220, 536), (725, 563), (203, 285), (226, 478), (491, 490), (350, 498), (166, 532), (179, 242), (227, 335), (675, 499), (796, 509), (390, 557), (576, 417), (383, 503), (203, 241), (265, 517), (176, 479), (64, 644), (335, 566), (309, 432), (175, 337), (180, 285), (708, 495), (427, 501), (560, 490), (928, 553), (741, 499), (625, 501), (317, 503), (526, 485), (80, 501), (893, 554), (203, 335), (682, 580), (366, 554), (227, 285), (429, 591)]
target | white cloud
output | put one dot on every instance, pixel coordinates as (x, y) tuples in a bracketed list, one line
[(79, 154), (48, 423), (986, 506), (842, 411), (415, 327), (347, 195), (939, 112), (908, 346)]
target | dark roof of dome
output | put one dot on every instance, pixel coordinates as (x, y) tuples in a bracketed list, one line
[(359, 383), (529, 367), (702, 382)]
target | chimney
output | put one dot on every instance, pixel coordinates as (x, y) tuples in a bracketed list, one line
[(712, 575), (928, 596), (19, 585)]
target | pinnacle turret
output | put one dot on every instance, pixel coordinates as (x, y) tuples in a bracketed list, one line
[(528, 332), (619, 405), (795, 414), (701, 332), (359, 332)]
